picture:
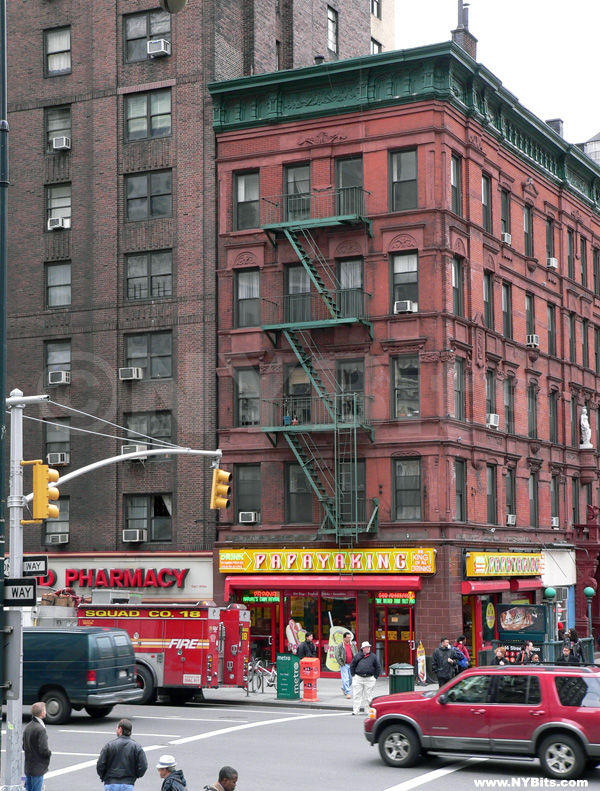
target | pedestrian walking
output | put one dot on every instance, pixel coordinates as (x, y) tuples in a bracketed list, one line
[(576, 645), (35, 744), (459, 645), (122, 761), (524, 655), (444, 662), (173, 779), (365, 670), (307, 649), (228, 778), (344, 654)]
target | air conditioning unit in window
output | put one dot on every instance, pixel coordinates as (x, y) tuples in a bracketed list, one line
[(134, 449), (249, 517), (58, 538), (533, 341), (405, 306), (59, 223), (58, 459), (126, 374), (134, 535), (59, 377), (158, 48), (492, 420), (61, 143), (506, 238), (555, 522), (511, 519), (552, 263)]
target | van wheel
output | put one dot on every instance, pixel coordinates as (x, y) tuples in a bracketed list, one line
[(561, 756), (145, 682), (399, 746), (97, 712), (58, 708)]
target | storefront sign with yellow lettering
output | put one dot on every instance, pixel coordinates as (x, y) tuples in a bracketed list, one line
[(322, 561), (504, 564)]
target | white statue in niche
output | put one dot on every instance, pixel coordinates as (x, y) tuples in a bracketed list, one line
[(586, 431)]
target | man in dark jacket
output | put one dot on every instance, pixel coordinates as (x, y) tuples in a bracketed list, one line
[(443, 662), (365, 670), (35, 744), (173, 779), (567, 657), (121, 761), (307, 649)]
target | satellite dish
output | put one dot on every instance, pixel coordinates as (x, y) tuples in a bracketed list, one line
[(172, 6)]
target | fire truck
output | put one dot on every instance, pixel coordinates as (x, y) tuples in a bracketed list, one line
[(180, 649)]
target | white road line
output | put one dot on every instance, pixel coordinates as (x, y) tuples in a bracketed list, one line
[(112, 733), (435, 775), (190, 719), (88, 764), (219, 709), (83, 755)]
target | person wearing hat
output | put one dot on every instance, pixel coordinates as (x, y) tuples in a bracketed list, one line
[(173, 779), (365, 670)]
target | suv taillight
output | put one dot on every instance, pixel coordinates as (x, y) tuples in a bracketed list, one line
[(91, 677)]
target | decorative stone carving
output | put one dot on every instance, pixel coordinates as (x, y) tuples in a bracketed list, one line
[(347, 248), (403, 242), (476, 143), (321, 139), (245, 259), (586, 431), (534, 447), (429, 357), (270, 369), (459, 248)]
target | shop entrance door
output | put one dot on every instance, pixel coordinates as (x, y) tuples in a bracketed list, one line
[(263, 620), (394, 634)]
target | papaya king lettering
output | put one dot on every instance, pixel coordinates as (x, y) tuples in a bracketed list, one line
[(126, 578)]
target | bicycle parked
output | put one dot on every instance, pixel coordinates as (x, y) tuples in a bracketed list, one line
[(260, 675)]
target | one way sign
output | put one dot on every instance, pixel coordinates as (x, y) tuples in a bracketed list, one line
[(20, 592)]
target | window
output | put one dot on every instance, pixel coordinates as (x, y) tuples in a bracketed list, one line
[(583, 256), (460, 470), (405, 274), (349, 184), (505, 211), (299, 500), (351, 384), (404, 180), (148, 115), (332, 29), (521, 689), (456, 184), (578, 691), (529, 314), (149, 195), (405, 397), (585, 349), (509, 405), (596, 271), (58, 124), (488, 300), (492, 505), (297, 300), (457, 287), (459, 389), (376, 47), (511, 499), (572, 349), (58, 285), (532, 411), (58, 356), (152, 352), (143, 427), (278, 55), (570, 255), (58, 202), (575, 501), (247, 200), (142, 28), (297, 396), (554, 497), (507, 310), (407, 488), (553, 416), (149, 275), (528, 230), (246, 479), (597, 350), (588, 494), (574, 426), (353, 504), (150, 512), (58, 435), (549, 238), (60, 524), (486, 203), (247, 297), (490, 392), (57, 44), (247, 397), (297, 192), (533, 499), (351, 295), (474, 689), (376, 8), (551, 329)]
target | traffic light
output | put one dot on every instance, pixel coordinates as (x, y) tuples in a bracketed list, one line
[(221, 490), (43, 492)]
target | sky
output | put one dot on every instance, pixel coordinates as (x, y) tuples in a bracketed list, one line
[(545, 52)]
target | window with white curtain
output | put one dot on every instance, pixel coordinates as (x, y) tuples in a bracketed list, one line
[(58, 201), (350, 275), (407, 489), (406, 386), (247, 298), (298, 298), (58, 51), (58, 285), (151, 512)]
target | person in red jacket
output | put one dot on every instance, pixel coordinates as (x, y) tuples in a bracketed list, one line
[(460, 645)]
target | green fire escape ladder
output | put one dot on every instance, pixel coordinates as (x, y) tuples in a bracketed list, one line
[(317, 474), (292, 235)]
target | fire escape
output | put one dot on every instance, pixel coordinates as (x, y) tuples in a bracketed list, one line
[(322, 428)]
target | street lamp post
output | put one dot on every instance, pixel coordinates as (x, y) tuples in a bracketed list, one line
[(589, 594)]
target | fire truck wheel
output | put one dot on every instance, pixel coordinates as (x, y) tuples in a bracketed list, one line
[(97, 712), (58, 708), (145, 682)]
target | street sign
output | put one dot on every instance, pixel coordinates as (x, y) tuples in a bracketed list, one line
[(33, 566), (20, 592)]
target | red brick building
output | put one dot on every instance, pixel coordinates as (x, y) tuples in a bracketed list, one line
[(409, 332)]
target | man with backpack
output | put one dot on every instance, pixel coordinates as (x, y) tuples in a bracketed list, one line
[(444, 661), (227, 780), (463, 659)]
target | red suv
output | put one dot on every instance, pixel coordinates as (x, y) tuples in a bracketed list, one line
[(546, 712)]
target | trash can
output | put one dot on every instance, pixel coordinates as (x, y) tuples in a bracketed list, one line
[(402, 677)]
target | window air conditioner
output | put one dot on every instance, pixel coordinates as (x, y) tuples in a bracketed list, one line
[(492, 420), (58, 538), (405, 306), (58, 459), (552, 263), (533, 341), (158, 48), (125, 374), (506, 238), (511, 519), (61, 143), (555, 522), (134, 449), (59, 377), (134, 535), (248, 517), (58, 223)]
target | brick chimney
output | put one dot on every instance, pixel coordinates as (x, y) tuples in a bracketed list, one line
[(461, 35), (557, 124)]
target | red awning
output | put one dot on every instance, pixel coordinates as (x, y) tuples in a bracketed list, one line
[(526, 585), (493, 586), (316, 582)]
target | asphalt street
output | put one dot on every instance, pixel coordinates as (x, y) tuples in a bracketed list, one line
[(286, 748)]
